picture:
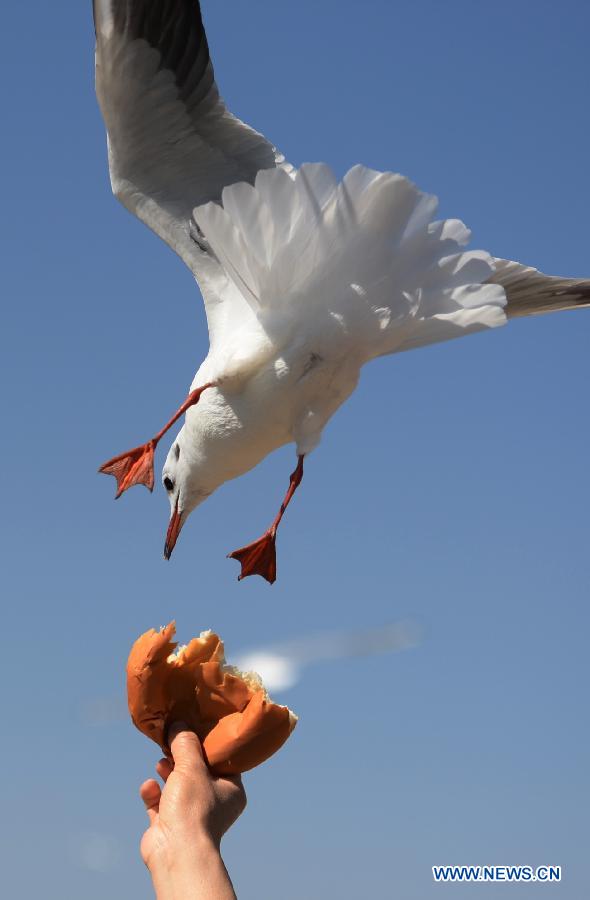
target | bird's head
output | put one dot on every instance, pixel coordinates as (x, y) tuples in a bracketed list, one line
[(181, 477)]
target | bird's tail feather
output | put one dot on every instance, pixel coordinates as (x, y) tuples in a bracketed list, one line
[(531, 293)]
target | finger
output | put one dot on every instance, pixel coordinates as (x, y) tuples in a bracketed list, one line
[(229, 785), (186, 749), (164, 768), (231, 801), (150, 793), (231, 793), (234, 779)]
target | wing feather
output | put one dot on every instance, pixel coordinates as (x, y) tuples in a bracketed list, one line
[(173, 145)]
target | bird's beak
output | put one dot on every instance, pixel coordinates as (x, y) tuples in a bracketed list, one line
[(174, 528)]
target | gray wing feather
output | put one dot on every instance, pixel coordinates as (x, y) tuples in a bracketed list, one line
[(531, 293), (173, 144)]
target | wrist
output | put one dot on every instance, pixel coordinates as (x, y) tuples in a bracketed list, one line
[(172, 856), (190, 873)]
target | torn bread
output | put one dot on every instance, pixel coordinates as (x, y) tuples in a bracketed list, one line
[(238, 724)]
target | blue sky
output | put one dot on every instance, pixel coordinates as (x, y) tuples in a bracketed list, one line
[(452, 489)]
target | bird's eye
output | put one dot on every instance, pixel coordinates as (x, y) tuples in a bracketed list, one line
[(168, 484)]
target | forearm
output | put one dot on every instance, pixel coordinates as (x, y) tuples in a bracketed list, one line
[(200, 876)]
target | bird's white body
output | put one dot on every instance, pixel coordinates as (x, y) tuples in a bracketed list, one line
[(236, 425), (324, 276)]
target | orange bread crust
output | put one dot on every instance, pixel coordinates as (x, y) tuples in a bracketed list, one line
[(238, 725)]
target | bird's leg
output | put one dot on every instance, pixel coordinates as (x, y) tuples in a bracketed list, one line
[(260, 558), (137, 465)]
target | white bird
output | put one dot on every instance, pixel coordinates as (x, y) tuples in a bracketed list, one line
[(304, 279)]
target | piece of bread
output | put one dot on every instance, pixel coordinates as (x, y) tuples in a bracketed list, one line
[(238, 724)]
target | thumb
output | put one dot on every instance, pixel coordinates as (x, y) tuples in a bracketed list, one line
[(185, 747)]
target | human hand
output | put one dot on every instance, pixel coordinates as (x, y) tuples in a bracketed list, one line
[(188, 818)]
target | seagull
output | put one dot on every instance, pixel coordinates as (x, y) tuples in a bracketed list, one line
[(304, 278)]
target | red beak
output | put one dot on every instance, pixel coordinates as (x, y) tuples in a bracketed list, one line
[(174, 528)]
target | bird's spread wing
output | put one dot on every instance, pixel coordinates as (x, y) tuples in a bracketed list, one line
[(530, 292), (173, 145)]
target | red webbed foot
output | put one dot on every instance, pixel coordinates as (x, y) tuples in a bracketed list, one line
[(134, 467), (137, 465), (258, 558)]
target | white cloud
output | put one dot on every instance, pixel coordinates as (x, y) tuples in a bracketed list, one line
[(281, 666)]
